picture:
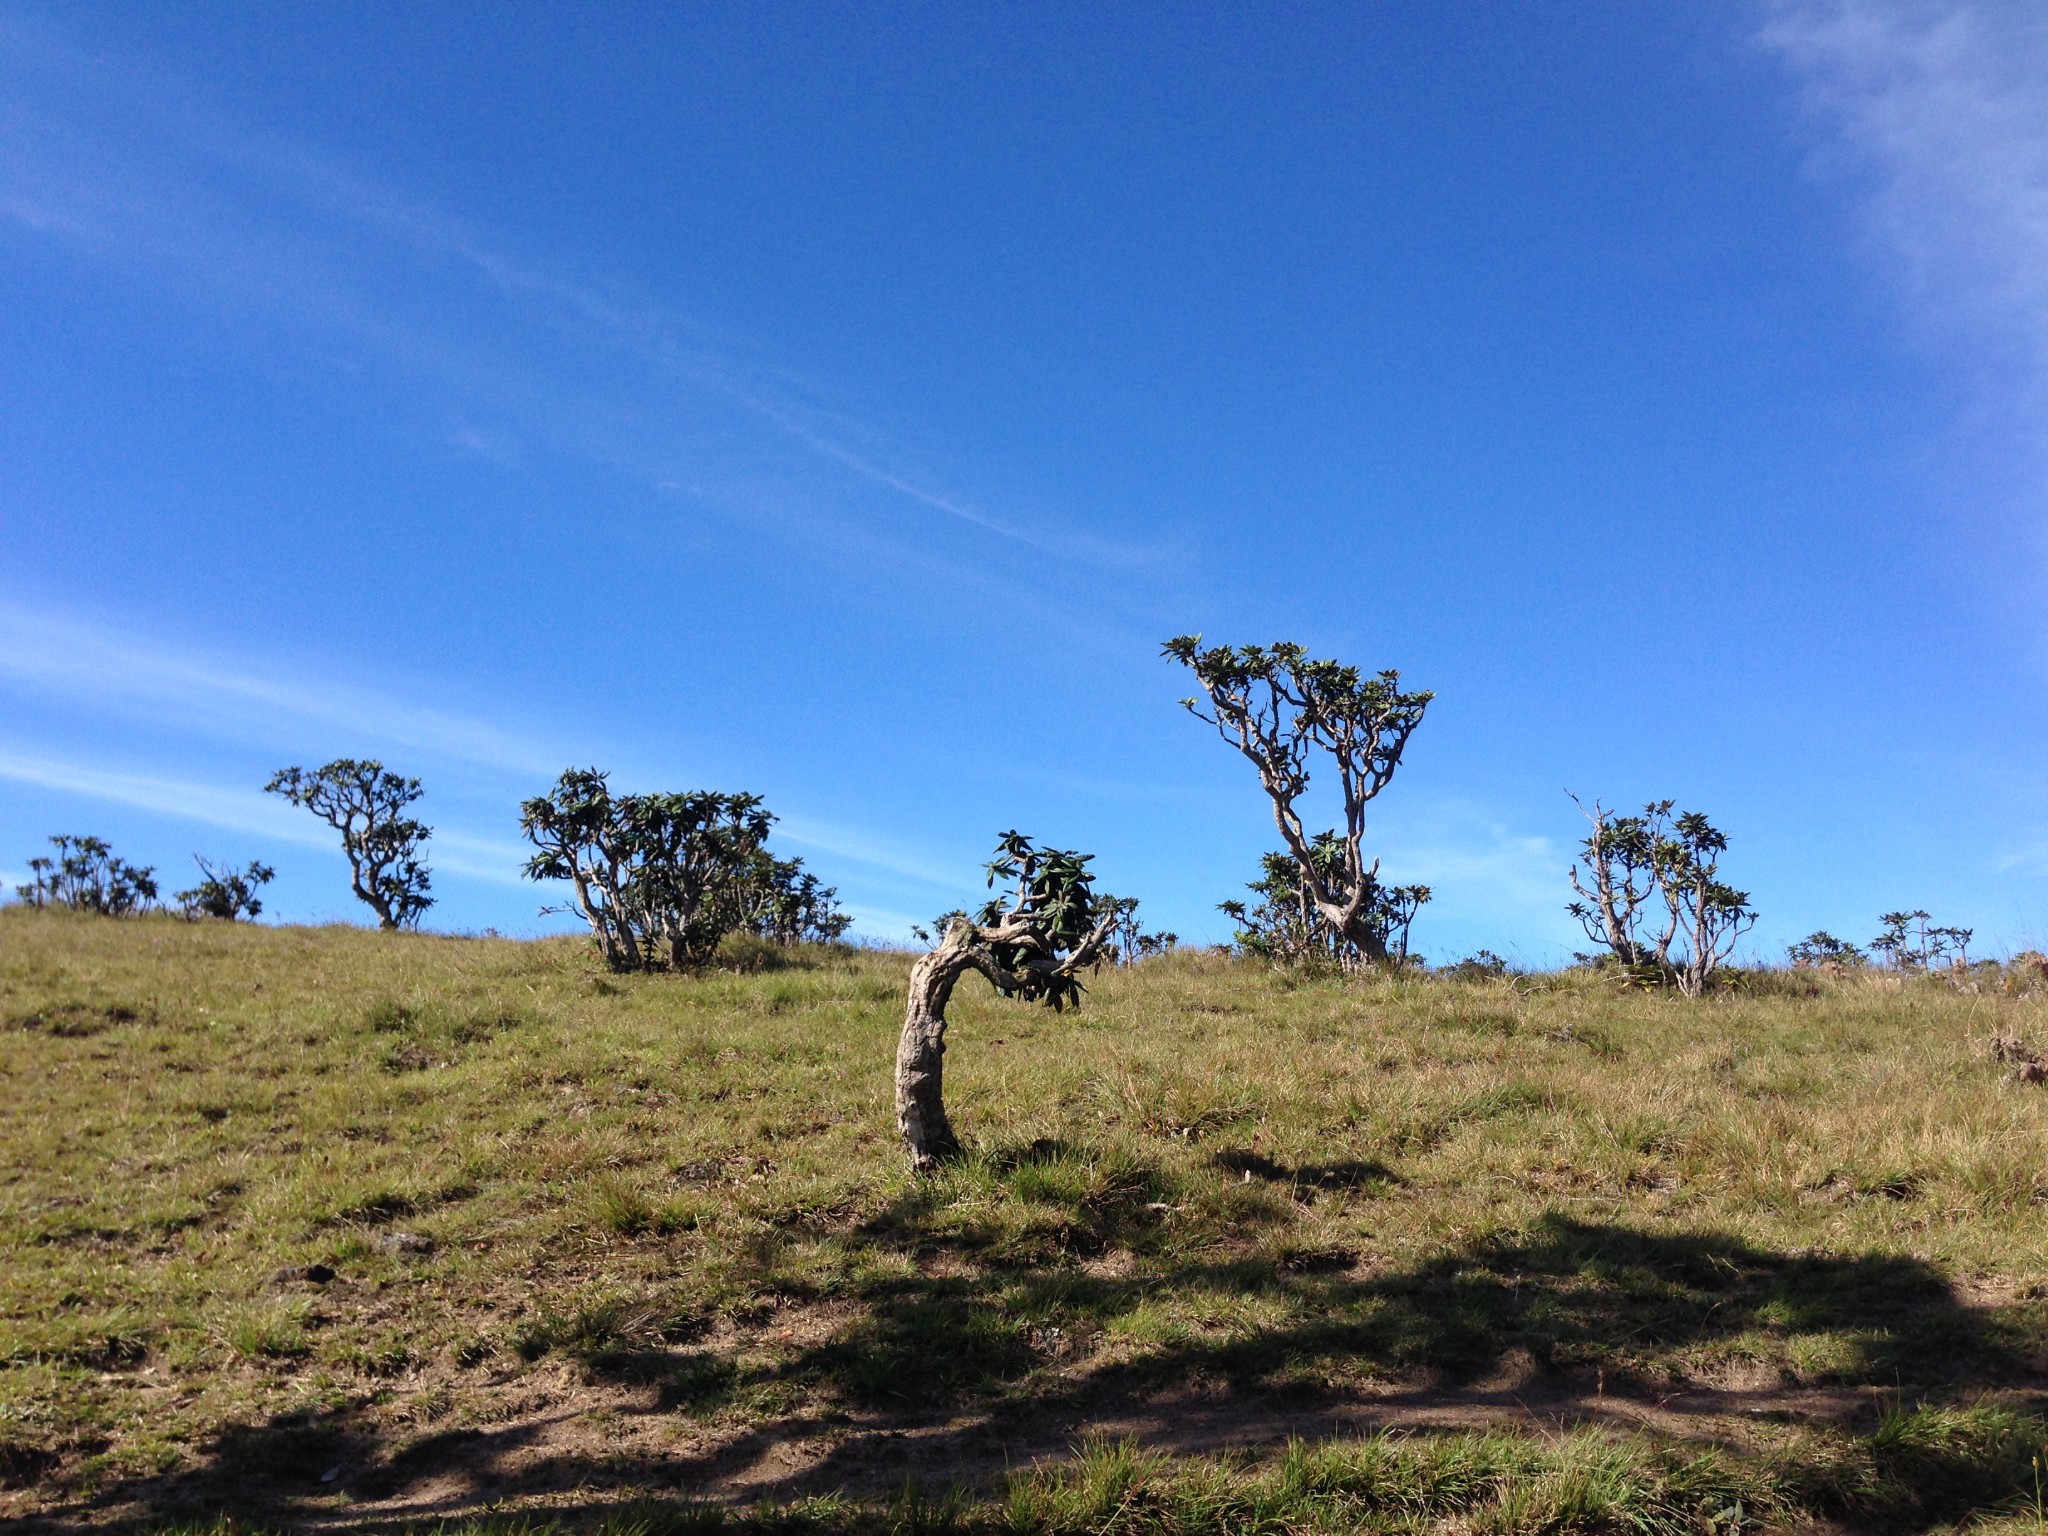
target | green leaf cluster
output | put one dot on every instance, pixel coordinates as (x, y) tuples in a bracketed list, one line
[(661, 878), (87, 876), (365, 803)]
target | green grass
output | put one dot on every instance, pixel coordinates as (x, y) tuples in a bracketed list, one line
[(1602, 1258)]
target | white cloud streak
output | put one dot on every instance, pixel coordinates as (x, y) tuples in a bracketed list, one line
[(100, 672), (1482, 872), (246, 811), (84, 664), (142, 177), (236, 810), (1947, 104), (875, 852)]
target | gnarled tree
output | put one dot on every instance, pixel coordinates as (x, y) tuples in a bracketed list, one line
[(1619, 860), (366, 805), (1676, 858), (1129, 942), (1030, 943), (1710, 916), (1277, 706)]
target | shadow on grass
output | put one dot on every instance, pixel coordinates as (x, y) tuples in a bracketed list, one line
[(995, 1346), (1308, 1179)]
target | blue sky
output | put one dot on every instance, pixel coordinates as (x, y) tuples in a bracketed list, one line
[(843, 403)]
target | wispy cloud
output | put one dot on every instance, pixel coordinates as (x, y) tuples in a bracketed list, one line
[(875, 852), (1945, 104), (237, 810), (1485, 875), (87, 665), (872, 923), (241, 810), (105, 673), (117, 162)]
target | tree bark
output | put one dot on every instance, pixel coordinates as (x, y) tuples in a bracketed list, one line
[(921, 1049), (921, 1052)]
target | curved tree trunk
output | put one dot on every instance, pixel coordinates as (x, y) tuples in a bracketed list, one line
[(921, 1052)]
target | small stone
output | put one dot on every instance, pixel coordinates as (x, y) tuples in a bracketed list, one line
[(404, 1242), (330, 1474), (310, 1274)]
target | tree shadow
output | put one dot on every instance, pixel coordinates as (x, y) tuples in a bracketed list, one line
[(1642, 1312), (1308, 1179), (993, 1339), (1641, 1308)]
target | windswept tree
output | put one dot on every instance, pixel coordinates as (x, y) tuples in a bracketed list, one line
[(661, 878), (224, 891), (366, 805), (1712, 916), (1030, 942), (1279, 707), (1674, 858), (87, 876)]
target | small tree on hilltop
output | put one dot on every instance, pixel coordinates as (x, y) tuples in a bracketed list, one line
[(1029, 944), (1286, 927), (87, 876), (365, 805), (1619, 857), (1276, 705), (785, 903), (1909, 943), (224, 891), (661, 878), (1282, 926), (1822, 951), (1129, 942), (1675, 858), (1711, 916)]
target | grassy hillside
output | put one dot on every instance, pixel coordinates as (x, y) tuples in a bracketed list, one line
[(331, 1227)]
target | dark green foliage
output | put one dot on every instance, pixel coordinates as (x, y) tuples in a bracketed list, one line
[(785, 903), (1909, 943), (940, 926), (1822, 950), (1278, 706), (1051, 912), (1482, 965), (87, 876), (661, 878), (1286, 926), (224, 891), (365, 804)]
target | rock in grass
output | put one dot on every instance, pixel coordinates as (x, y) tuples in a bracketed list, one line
[(310, 1274), (404, 1242)]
